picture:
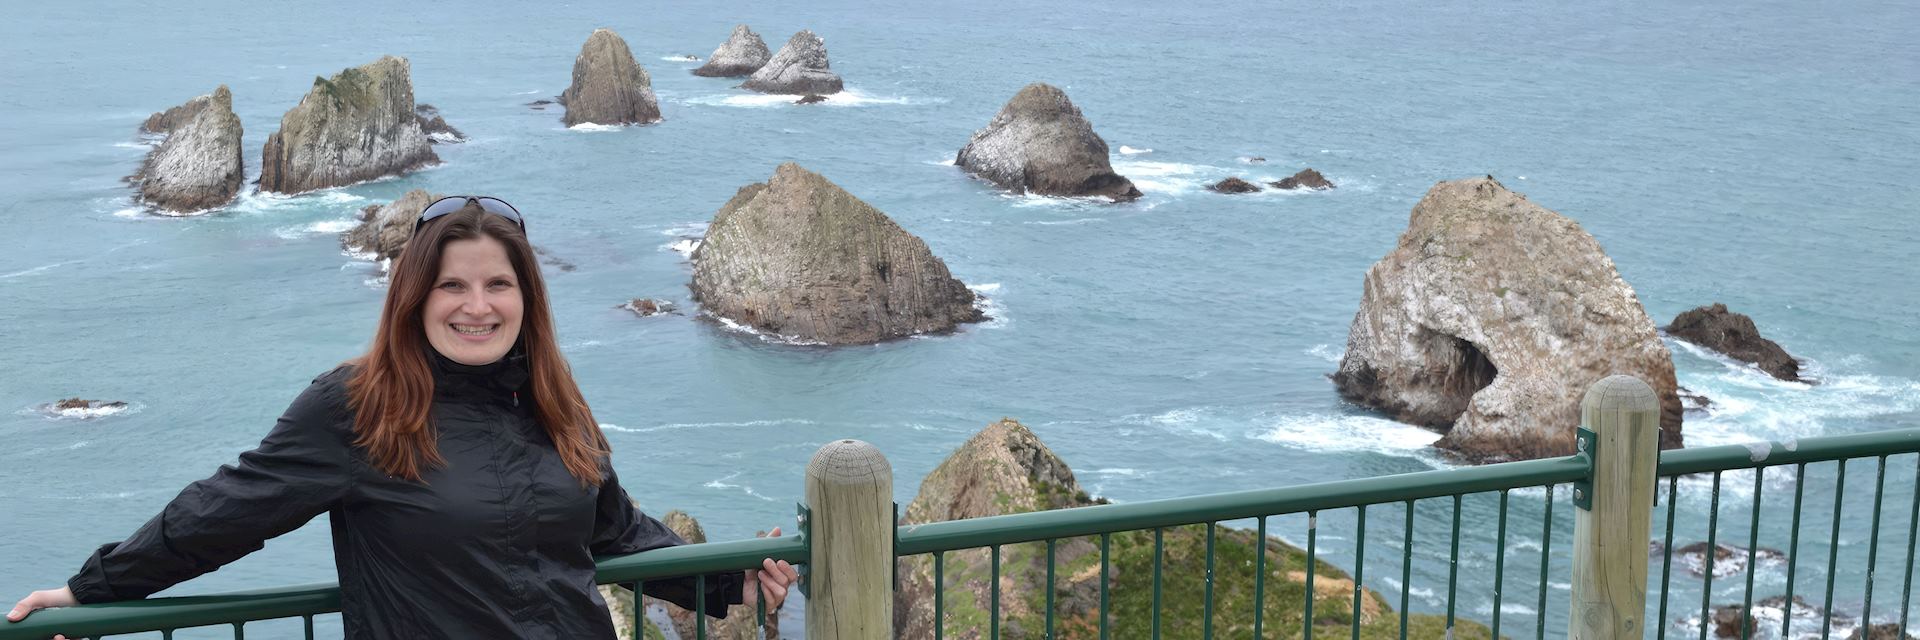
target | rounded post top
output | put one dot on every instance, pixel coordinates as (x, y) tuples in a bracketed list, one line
[(1620, 392), (849, 462)]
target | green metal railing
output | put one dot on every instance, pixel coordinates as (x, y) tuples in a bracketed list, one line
[(1405, 494)]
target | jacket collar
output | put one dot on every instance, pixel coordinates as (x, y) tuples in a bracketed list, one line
[(497, 380)]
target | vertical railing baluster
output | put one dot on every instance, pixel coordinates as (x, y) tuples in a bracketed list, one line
[(1499, 564), (1157, 550), (1666, 564), (1913, 532), (1793, 549), (1546, 562), (699, 607), (1260, 574), (1049, 635), (1873, 546), (1206, 601), (1453, 563), (993, 610), (1313, 532), (1753, 545), (1106, 541), (306, 624), (1713, 549), (1359, 566), (166, 634), (1833, 547), (940, 594), (1406, 570), (639, 610), (239, 632)]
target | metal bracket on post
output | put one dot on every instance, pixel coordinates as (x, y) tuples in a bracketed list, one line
[(1587, 444), (802, 519)]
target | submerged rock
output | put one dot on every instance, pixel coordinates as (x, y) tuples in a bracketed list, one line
[(1489, 322), (436, 127), (800, 68), (200, 165), (1883, 631), (353, 127), (539, 105), (1735, 335), (1006, 469), (1767, 617), (81, 408), (1727, 559), (609, 87), (811, 98), (798, 256), (1305, 179), (1233, 185), (742, 54), (1039, 143), (645, 307), (384, 228)]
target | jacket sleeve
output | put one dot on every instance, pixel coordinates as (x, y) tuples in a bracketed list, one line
[(619, 528), (297, 472)]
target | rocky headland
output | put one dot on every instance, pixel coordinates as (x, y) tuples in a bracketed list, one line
[(609, 87), (799, 257), (355, 126), (1040, 143), (200, 164), (1490, 320), (800, 68), (742, 54), (1735, 335), (1006, 469)]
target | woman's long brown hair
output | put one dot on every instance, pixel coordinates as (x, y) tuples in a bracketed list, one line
[(391, 390)]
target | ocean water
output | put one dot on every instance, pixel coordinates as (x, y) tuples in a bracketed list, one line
[(1762, 155)]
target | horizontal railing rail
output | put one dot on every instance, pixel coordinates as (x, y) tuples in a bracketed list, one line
[(1155, 516)]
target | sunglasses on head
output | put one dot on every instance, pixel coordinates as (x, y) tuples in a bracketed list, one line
[(451, 204)]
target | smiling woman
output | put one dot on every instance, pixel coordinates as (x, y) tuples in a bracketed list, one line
[(468, 486)]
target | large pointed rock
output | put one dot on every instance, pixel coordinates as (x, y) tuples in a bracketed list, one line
[(609, 87), (199, 165), (1039, 143), (1006, 469), (355, 126), (801, 258), (1491, 319), (384, 229), (800, 68), (742, 54), (1735, 335)]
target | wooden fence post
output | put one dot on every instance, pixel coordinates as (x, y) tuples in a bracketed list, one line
[(1619, 432), (850, 576)]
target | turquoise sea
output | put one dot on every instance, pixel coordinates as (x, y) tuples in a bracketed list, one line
[(1761, 154)]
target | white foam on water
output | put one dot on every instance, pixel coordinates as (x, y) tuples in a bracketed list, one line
[(1750, 406), (990, 287), (995, 312), (1325, 433), (87, 413), (1327, 352), (323, 227), (1075, 221), (527, 93), (1423, 593), (143, 145), (845, 98), (130, 213), (772, 338), (680, 58), (77, 445), (1168, 177), (594, 127), (683, 246), (263, 202), (1130, 151), (1197, 421), (941, 163), (445, 137), (723, 484), (1120, 471)]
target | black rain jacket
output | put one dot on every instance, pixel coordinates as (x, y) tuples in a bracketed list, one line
[(497, 543)]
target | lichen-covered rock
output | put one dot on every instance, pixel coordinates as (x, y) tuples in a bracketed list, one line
[(742, 54), (1039, 143), (1735, 335), (1233, 185), (384, 228), (609, 87), (799, 68), (797, 256), (1006, 469), (1491, 319), (1305, 179), (199, 166), (435, 126), (353, 127)]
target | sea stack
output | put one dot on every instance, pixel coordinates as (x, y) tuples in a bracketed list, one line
[(384, 229), (742, 54), (609, 87), (355, 126), (800, 68), (1490, 320), (199, 165), (1305, 179), (1039, 143), (799, 257), (1735, 335)]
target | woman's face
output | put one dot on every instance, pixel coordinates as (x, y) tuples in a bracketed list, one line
[(472, 315)]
